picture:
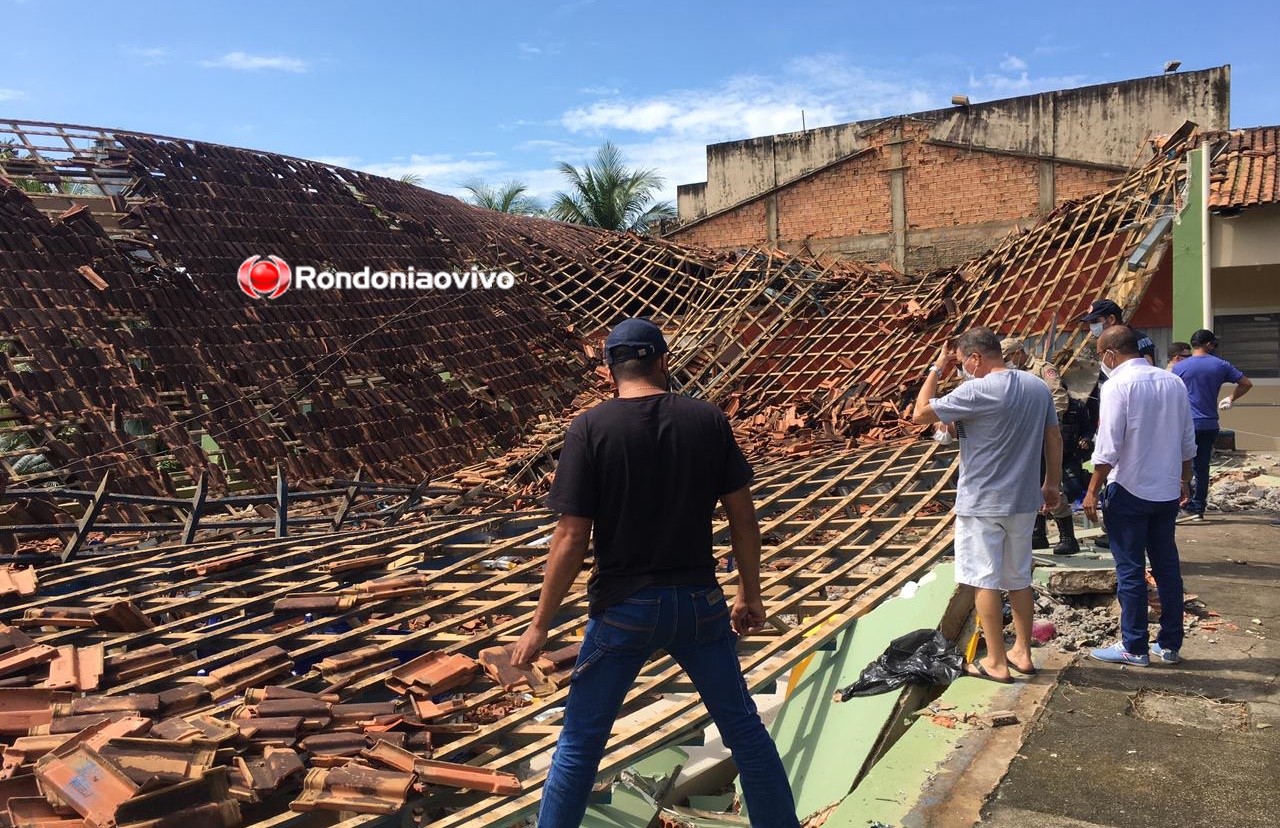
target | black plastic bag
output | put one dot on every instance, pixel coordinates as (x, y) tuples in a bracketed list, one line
[(920, 657)]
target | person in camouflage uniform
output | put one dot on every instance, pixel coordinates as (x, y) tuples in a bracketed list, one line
[(1016, 356)]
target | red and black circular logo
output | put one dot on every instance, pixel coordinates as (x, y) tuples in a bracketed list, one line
[(264, 277)]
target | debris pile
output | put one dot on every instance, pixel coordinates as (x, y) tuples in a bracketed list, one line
[(123, 760), (1243, 490), (1080, 621)]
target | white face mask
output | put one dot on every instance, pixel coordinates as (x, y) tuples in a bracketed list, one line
[(1096, 328), (964, 372), (1106, 371)]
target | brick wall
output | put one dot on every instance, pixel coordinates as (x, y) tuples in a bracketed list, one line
[(847, 200), (1071, 182), (947, 187), (739, 227), (959, 203)]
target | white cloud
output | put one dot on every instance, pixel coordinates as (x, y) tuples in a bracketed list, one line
[(669, 132), (530, 50), (442, 173), (1015, 78), (600, 91), (11, 94), (147, 55), (1021, 83), (827, 88), (244, 62), (1013, 63)]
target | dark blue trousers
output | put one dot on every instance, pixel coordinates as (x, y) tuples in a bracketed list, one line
[(1205, 438), (1143, 530)]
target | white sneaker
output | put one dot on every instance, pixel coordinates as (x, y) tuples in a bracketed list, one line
[(1161, 654)]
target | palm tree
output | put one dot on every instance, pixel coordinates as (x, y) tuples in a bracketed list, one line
[(507, 197), (9, 152), (606, 193), (411, 178)]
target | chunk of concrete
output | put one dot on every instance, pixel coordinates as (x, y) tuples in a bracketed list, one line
[(1082, 582)]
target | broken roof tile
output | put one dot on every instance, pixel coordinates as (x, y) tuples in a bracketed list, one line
[(185, 697), (322, 602), (129, 665), (356, 788), (148, 760), (118, 616), (497, 664), (432, 673), (429, 710), (78, 668), (177, 728), (257, 695), (247, 672), (204, 802), (24, 658), (36, 812), (82, 779), (22, 709), (21, 582), (352, 714), (270, 771), (133, 703), (450, 774)]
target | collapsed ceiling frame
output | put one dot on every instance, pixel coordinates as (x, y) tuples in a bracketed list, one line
[(814, 361), (846, 530)]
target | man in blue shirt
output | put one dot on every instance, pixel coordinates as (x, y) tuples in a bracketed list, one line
[(1204, 375)]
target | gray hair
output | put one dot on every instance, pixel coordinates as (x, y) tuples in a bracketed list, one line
[(982, 340)]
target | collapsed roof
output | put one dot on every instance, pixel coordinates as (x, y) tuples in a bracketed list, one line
[(376, 637)]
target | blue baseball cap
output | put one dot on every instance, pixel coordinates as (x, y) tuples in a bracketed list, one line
[(1099, 309), (633, 339)]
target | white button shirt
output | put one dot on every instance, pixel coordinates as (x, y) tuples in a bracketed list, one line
[(1144, 430)]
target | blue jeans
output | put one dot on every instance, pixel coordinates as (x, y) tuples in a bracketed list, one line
[(692, 624), (1205, 439), (1140, 530)]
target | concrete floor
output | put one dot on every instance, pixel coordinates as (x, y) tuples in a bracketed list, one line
[(1093, 760)]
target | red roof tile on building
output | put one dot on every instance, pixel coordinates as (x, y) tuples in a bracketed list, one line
[(1246, 173)]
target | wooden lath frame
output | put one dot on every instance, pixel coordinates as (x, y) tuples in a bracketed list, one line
[(835, 516)]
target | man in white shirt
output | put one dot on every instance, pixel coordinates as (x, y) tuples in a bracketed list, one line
[(1006, 422), (1142, 454)]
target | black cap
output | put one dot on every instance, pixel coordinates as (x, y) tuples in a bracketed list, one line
[(1203, 337), (633, 339), (1099, 309), (1146, 347)]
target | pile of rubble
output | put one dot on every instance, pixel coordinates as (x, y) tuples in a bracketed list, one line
[(161, 759), (1246, 489), (1079, 621)]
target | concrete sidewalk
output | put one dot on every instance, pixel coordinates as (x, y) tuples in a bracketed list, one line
[(1195, 745)]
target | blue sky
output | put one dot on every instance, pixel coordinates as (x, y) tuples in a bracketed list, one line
[(499, 90)]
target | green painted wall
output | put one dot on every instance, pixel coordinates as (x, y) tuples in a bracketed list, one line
[(1188, 276)]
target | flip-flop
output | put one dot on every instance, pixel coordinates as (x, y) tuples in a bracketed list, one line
[(1030, 671), (980, 672)]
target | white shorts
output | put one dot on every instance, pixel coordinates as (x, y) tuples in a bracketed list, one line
[(994, 552)]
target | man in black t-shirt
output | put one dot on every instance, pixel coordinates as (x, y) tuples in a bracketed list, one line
[(645, 471)]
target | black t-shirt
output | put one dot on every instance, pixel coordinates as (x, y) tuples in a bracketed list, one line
[(648, 472)]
